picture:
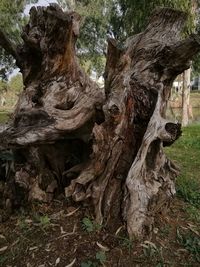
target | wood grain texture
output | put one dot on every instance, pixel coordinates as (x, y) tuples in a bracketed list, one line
[(69, 136)]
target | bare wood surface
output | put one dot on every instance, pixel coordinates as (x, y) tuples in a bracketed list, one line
[(69, 136)]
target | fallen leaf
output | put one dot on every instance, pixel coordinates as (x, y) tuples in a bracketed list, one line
[(2, 237), (155, 230), (72, 212), (29, 221), (104, 248), (57, 216), (33, 248), (3, 249), (62, 231), (118, 230), (192, 227), (180, 250), (57, 261), (71, 264), (150, 243)]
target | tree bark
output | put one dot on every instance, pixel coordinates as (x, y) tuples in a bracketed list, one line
[(106, 146), (186, 107), (186, 97)]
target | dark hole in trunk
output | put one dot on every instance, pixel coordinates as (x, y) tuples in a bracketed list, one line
[(62, 156)]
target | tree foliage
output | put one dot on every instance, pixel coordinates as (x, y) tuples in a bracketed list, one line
[(12, 20), (196, 62), (92, 42), (101, 19), (129, 17), (118, 19)]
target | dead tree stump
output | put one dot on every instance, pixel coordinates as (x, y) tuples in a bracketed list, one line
[(67, 135)]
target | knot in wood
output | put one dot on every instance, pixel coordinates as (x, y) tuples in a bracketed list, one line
[(114, 110)]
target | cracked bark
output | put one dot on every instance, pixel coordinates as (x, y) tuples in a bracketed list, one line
[(67, 135)]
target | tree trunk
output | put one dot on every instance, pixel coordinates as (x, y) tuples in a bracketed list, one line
[(186, 107), (186, 97), (67, 135)]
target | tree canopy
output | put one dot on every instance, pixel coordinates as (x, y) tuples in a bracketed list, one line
[(119, 19), (130, 16), (101, 19), (12, 20)]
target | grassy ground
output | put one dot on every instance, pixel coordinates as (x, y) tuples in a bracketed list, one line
[(3, 116), (186, 153), (63, 234), (195, 98)]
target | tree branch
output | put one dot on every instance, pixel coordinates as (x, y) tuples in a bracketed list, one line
[(181, 53), (186, 49)]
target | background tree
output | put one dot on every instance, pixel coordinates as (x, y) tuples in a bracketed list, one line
[(92, 42), (115, 18), (101, 18), (196, 61), (130, 17), (187, 74), (12, 21)]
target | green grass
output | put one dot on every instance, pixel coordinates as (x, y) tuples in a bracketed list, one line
[(195, 98), (90, 225), (3, 116), (191, 243), (186, 153)]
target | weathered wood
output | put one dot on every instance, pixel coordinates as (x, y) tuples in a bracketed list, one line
[(67, 135)]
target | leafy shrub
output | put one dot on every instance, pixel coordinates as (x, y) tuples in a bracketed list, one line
[(190, 242), (89, 225)]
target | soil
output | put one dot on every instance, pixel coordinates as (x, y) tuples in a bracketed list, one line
[(60, 235)]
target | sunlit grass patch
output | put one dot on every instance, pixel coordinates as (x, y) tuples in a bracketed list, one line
[(186, 153), (3, 117)]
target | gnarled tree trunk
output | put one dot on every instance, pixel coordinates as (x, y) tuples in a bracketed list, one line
[(67, 135)]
